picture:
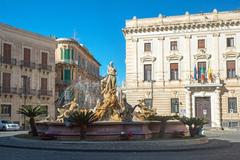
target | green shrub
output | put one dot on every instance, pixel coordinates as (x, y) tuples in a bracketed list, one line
[(82, 117), (195, 124)]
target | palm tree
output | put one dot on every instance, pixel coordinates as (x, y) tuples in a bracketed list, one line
[(31, 112), (82, 117), (194, 124)]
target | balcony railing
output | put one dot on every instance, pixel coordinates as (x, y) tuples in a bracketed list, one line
[(63, 82), (44, 92), (5, 60), (22, 91), (45, 67), (8, 89), (27, 64)]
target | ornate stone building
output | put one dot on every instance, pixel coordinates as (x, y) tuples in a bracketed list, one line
[(187, 64), (27, 72), (74, 62)]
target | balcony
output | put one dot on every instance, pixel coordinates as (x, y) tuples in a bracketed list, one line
[(27, 64), (214, 83), (67, 61), (45, 67), (8, 89), (63, 82), (29, 92), (10, 61), (45, 92)]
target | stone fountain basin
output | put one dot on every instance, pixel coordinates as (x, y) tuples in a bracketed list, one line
[(107, 130)]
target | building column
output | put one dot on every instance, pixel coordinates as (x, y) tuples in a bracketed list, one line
[(188, 50), (217, 120), (161, 59), (188, 103)]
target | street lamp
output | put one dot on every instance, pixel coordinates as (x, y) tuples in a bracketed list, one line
[(151, 81)]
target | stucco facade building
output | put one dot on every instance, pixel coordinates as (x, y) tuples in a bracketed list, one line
[(187, 64), (27, 72), (74, 62)]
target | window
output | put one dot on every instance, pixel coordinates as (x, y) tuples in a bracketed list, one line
[(174, 71), (61, 53), (25, 84), (147, 72), (232, 124), (148, 102), (44, 58), (6, 110), (230, 42), (26, 56), (174, 105), (232, 105), (6, 53), (67, 75), (61, 74), (44, 84), (173, 45), (201, 43), (231, 70), (147, 47), (202, 71), (72, 54), (66, 54), (6, 82)]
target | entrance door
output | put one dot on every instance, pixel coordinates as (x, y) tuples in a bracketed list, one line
[(203, 108)]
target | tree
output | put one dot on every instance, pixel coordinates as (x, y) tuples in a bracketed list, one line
[(31, 112), (82, 117), (195, 124)]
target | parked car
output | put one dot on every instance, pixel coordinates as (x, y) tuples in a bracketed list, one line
[(6, 125)]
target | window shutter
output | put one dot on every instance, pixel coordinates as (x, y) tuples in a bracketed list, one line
[(7, 52), (201, 43), (44, 58), (231, 65), (174, 66)]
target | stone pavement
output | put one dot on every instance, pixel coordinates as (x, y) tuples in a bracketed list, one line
[(230, 135), (114, 146)]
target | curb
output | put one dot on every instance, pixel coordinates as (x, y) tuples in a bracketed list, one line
[(137, 146)]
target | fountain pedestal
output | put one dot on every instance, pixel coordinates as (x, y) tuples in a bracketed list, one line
[(105, 130)]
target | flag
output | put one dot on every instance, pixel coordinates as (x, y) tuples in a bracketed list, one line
[(202, 73), (195, 72), (209, 73)]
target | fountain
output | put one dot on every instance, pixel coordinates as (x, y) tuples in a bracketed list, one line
[(116, 120)]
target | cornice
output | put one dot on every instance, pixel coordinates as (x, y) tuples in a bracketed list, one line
[(8, 28), (181, 26)]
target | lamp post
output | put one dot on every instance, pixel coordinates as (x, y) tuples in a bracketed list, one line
[(151, 81)]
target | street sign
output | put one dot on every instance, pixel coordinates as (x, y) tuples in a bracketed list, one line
[(204, 112)]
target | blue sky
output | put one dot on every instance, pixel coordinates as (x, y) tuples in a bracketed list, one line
[(98, 23)]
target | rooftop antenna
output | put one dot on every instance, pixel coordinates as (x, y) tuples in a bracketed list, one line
[(75, 35)]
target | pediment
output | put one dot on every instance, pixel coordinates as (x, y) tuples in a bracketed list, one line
[(174, 57), (231, 54), (202, 54), (148, 58)]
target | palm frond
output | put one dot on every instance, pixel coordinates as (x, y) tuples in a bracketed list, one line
[(31, 111), (82, 117)]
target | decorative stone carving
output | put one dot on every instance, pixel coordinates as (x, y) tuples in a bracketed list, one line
[(174, 56), (148, 58), (201, 54), (231, 54)]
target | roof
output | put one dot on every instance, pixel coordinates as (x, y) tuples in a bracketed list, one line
[(62, 40)]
